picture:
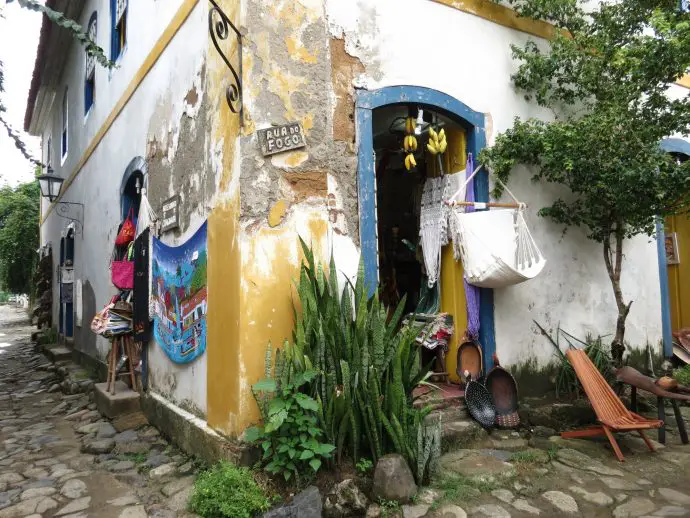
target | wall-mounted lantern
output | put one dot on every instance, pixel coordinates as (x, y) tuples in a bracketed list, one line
[(51, 185)]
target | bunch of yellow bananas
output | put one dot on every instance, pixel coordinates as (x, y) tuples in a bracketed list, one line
[(410, 162), (437, 142), (410, 143)]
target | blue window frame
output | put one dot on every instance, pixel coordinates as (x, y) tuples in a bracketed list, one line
[(64, 136), (118, 34), (90, 68)]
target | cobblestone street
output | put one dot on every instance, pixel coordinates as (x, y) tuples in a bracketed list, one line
[(61, 458)]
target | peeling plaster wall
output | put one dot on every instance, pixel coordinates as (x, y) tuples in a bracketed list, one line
[(268, 202), (288, 78), (472, 63), (168, 108)]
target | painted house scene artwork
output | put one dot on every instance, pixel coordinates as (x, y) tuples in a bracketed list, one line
[(178, 294)]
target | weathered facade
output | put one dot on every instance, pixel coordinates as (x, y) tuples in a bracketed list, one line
[(332, 66)]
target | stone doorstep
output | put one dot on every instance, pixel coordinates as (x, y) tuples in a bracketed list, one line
[(57, 353), (124, 401)]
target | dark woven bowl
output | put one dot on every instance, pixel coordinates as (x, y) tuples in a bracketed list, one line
[(480, 404), (503, 389)]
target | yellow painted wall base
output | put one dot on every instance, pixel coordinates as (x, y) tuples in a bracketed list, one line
[(251, 279), (223, 319), (679, 275)]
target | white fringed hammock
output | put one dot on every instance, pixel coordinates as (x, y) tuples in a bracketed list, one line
[(496, 247)]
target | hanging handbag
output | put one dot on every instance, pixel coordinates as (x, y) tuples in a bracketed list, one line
[(126, 233), (122, 272)]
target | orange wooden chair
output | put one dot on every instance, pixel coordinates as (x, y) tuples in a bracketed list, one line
[(610, 410)]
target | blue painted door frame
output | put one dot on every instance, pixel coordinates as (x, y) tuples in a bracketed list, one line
[(671, 145), (473, 122)]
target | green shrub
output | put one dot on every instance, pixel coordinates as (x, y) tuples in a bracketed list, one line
[(290, 437), (226, 491), (682, 375), (364, 466)]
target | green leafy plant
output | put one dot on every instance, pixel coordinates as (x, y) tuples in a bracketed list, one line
[(364, 466), (290, 437), (566, 379), (227, 491), (368, 366), (389, 507), (682, 375), (605, 75)]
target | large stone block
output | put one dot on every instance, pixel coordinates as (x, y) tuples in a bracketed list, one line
[(124, 401)]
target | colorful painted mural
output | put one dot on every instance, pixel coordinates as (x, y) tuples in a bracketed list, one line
[(178, 294)]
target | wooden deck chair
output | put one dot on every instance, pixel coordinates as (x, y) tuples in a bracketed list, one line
[(610, 410)]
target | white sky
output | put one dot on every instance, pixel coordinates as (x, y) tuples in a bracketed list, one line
[(19, 32)]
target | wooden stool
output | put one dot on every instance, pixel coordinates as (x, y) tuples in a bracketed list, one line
[(127, 343)]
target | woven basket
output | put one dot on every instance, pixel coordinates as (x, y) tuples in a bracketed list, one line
[(503, 389), (511, 420)]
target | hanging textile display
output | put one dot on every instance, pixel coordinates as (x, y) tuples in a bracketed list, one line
[(142, 323), (432, 227), (435, 222), (178, 294), (435, 330), (471, 292)]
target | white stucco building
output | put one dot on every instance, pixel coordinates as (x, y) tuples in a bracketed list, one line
[(345, 71)]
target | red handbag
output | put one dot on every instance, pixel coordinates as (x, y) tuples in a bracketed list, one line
[(126, 233), (122, 272)]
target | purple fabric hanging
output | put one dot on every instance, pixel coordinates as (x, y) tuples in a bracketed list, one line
[(471, 292)]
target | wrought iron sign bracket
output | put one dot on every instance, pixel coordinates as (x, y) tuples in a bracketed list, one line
[(62, 209), (219, 26)]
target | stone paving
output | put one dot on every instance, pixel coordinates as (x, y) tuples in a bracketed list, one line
[(550, 476), (60, 458)]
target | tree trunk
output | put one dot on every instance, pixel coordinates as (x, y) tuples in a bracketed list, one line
[(613, 257)]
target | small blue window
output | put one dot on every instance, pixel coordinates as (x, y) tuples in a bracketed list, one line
[(685, 5), (118, 36), (90, 69), (65, 112)]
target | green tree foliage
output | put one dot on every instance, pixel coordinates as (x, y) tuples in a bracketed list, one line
[(605, 76), (18, 235)]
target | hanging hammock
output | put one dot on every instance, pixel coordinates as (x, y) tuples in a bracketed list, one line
[(496, 247)]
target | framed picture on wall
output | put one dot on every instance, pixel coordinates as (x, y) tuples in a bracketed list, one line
[(671, 245)]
